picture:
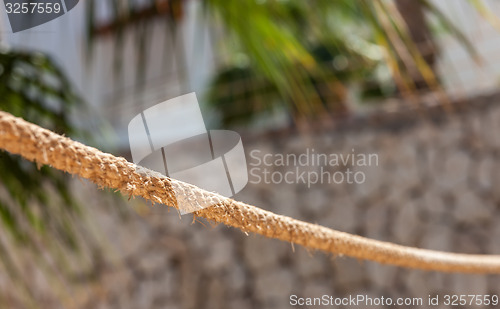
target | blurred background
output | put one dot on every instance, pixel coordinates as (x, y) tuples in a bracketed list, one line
[(415, 82)]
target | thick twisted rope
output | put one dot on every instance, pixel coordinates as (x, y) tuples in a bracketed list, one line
[(45, 147)]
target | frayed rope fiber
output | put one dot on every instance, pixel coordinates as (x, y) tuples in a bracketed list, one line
[(46, 147)]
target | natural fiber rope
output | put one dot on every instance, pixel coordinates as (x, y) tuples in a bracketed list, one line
[(45, 147)]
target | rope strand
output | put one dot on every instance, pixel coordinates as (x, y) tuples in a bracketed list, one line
[(45, 147)]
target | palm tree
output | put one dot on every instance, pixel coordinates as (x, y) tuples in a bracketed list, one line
[(302, 57), (412, 13)]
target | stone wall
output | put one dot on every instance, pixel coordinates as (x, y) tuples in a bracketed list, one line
[(435, 187)]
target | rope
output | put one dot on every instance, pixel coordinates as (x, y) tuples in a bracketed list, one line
[(45, 147)]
